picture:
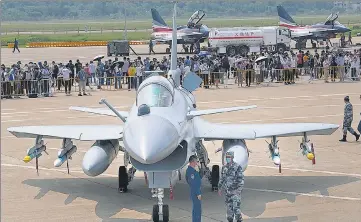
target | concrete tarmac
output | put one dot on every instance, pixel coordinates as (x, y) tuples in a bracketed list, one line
[(327, 191)]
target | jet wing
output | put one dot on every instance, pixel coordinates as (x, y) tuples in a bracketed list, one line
[(195, 113), (215, 131), (77, 132), (100, 111)]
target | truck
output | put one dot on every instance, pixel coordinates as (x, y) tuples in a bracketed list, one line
[(242, 40)]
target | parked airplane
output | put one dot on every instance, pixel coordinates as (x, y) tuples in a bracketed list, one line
[(192, 33), (321, 31), (161, 131)]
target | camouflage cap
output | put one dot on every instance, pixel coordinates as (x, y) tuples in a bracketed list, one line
[(230, 153)]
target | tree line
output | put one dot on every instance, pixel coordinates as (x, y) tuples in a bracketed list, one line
[(42, 10)]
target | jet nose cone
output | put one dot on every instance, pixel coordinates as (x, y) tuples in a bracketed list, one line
[(150, 139)]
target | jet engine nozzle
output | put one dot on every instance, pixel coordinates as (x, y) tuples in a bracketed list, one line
[(149, 139)]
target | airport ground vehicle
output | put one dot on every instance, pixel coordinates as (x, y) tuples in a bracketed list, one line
[(242, 40)]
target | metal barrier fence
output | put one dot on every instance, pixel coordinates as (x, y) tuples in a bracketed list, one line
[(240, 78)]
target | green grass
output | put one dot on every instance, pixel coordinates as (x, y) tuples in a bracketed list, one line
[(24, 39), (211, 22)]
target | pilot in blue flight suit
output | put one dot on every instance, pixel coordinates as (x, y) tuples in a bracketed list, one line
[(194, 181)]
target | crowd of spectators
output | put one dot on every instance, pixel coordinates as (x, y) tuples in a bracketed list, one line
[(34, 78)]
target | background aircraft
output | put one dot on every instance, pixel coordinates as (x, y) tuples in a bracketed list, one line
[(161, 131), (192, 33), (320, 31)]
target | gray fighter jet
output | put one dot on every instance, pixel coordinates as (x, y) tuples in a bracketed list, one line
[(160, 132)]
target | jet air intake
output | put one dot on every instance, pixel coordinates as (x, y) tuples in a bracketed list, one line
[(240, 150), (98, 158)]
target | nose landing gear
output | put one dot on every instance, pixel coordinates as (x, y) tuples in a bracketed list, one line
[(160, 210)]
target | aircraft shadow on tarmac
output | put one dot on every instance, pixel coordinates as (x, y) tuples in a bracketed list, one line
[(103, 190)]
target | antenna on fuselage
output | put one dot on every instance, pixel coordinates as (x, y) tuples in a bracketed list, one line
[(174, 73)]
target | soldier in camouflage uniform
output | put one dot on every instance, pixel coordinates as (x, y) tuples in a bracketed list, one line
[(232, 182), (347, 120)]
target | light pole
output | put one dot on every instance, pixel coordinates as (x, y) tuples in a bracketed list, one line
[(125, 21)]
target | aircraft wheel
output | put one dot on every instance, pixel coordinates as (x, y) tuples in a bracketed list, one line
[(155, 213), (280, 168), (314, 155), (123, 179), (165, 213), (215, 177), (167, 50)]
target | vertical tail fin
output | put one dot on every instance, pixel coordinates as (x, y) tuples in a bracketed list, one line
[(174, 73), (158, 23), (285, 18)]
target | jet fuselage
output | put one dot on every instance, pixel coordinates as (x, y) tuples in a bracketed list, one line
[(153, 135)]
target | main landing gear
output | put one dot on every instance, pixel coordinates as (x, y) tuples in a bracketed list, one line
[(213, 176), (159, 210), (125, 177)]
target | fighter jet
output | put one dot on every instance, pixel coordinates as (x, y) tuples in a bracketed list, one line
[(192, 33), (321, 31), (160, 132)]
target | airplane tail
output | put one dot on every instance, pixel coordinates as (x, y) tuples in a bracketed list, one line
[(158, 23), (285, 18)]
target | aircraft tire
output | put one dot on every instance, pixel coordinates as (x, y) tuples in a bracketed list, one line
[(123, 179), (165, 213), (215, 177), (155, 213), (167, 51)]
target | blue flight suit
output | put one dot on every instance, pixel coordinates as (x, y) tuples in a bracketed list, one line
[(194, 181)]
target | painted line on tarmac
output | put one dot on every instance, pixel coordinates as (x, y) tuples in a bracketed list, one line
[(51, 169), (303, 170), (251, 189), (304, 194), (205, 102), (2, 117), (69, 117), (286, 118), (278, 98), (50, 110)]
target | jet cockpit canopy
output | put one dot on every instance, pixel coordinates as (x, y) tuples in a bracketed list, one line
[(195, 19), (156, 94)]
